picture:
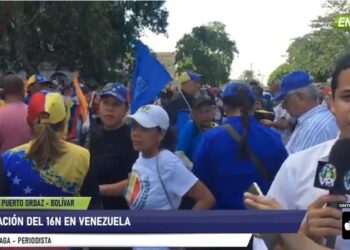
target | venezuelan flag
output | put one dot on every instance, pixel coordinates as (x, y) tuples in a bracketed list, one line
[(83, 104)]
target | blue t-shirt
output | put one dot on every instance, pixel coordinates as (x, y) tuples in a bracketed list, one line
[(218, 164), (182, 118), (189, 139)]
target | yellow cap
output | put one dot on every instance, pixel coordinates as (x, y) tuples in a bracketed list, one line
[(31, 80), (181, 78)]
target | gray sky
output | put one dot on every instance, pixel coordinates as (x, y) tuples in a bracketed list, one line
[(262, 29)]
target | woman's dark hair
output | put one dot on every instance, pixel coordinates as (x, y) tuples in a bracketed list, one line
[(343, 64), (170, 140), (254, 83), (258, 91), (243, 100), (202, 99)]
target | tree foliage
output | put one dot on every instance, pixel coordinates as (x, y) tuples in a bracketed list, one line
[(92, 37), (333, 9), (318, 51), (247, 76), (277, 74), (209, 50)]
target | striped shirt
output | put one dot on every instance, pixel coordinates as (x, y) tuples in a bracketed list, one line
[(314, 127)]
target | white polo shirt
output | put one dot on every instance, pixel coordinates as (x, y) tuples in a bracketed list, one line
[(293, 186)]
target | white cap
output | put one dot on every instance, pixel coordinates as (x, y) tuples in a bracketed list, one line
[(151, 116)]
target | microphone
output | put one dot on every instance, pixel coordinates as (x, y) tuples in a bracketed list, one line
[(334, 175)]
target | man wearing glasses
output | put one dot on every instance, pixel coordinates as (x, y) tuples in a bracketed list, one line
[(315, 122)]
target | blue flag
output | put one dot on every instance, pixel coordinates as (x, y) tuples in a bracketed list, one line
[(149, 78)]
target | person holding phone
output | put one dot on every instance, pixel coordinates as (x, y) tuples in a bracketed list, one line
[(293, 186), (296, 241)]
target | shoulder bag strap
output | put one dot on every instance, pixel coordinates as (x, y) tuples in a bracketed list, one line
[(163, 185), (260, 166)]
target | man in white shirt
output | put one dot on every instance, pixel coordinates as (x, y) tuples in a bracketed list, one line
[(315, 123), (283, 123), (293, 186)]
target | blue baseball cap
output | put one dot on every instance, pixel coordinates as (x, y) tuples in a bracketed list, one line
[(37, 78), (231, 90), (194, 76), (188, 75), (116, 90), (292, 81)]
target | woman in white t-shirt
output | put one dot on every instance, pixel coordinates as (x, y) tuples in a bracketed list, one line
[(159, 179)]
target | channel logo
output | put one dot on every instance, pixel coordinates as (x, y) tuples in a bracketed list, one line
[(346, 225), (342, 22)]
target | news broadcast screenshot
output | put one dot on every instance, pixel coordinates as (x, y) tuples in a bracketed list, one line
[(175, 125)]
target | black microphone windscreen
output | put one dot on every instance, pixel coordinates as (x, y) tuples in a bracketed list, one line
[(339, 157), (334, 175), (340, 154)]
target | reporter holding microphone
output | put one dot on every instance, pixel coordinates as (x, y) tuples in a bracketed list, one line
[(300, 240), (293, 186)]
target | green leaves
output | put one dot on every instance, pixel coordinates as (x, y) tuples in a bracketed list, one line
[(318, 51), (92, 37), (207, 50), (247, 76), (277, 74)]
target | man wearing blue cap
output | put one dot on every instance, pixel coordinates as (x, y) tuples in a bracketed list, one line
[(36, 83), (180, 108), (112, 153), (315, 122)]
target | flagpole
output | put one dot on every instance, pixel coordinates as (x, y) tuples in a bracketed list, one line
[(184, 97), (178, 88)]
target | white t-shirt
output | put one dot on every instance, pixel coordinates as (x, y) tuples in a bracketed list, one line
[(145, 190), (281, 113), (293, 186)]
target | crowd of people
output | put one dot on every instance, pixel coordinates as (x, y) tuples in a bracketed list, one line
[(198, 147)]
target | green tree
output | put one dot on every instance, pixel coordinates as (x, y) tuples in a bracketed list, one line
[(209, 50), (318, 51), (279, 72), (247, 76), (92, 37), (333, 9)]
